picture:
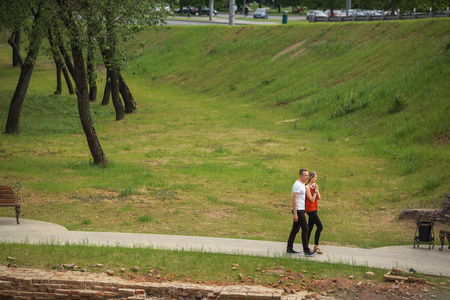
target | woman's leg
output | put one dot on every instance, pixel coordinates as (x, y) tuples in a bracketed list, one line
[(318, 230), (310, 224)]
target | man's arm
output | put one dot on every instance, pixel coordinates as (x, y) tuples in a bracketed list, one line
[(294, 205)]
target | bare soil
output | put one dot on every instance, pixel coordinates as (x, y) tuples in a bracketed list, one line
[(338, 288)]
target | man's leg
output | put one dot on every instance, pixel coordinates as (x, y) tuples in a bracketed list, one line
[(305, 229), (295, 229)]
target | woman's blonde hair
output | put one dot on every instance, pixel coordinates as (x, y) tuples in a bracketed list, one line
[(311, 176)]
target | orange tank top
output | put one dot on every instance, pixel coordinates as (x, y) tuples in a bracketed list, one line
[(310, 206)]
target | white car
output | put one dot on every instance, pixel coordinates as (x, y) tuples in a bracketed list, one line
[(316, 13)]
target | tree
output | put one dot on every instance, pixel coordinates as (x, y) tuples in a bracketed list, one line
[(92, 75), (60, 67), (107, 43), (107, 21), (119, 20), (77, 42), (17, 38), (37, 12), (127, 17)]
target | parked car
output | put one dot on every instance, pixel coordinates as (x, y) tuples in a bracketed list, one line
[(376, 13), (336, 13), (185, 10), (353, 12), (194, 11), (261, 13), (316, 13), (205, 11), (166, 8)]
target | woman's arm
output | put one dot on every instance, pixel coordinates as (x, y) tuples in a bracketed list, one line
[(317, 191), (311, 198)]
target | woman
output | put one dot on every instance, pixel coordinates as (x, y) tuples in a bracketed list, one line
[(311, 210)]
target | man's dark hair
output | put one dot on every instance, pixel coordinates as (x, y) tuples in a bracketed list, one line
[(302, 170)]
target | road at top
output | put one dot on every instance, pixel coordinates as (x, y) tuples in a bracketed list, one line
[(222, 19)]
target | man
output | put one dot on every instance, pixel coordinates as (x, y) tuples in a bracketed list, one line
[(299, 191)]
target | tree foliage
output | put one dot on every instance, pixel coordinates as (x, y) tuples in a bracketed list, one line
[(108, 20)]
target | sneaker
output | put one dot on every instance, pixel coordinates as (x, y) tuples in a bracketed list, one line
[(309, 253), (291, 251)]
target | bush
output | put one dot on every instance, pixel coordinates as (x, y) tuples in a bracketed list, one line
[(145, 218), (349, 106), (399, 103)]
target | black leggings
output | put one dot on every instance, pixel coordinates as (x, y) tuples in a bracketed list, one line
[(314, 220)]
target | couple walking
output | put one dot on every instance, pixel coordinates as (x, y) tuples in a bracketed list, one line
[(305, 194)]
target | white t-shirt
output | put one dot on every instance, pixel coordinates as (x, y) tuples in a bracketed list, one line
[(299, 188)]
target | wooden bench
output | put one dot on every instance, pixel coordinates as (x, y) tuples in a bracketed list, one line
[(442, 235), (9, 197)]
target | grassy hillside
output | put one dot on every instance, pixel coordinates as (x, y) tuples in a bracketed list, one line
[(382, 85), (227, 116)]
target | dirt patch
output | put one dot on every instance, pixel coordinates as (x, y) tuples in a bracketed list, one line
[(339, 288), (442, 140), (289, 49), (287, 121), (350, 289), (298, 53), (240, 31)]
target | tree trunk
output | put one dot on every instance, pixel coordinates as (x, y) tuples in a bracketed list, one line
[(58, 79), (59, 67), (26, 69), (107, 48), (107, 92), (65, 55), (56, 59), (115, 93), (113, 82), (393, 6), (17, 39), (130, 105), (67, 78), (83, 106), (92, 78), (82, 86), (15, 49), (15, 107), (90, 65)]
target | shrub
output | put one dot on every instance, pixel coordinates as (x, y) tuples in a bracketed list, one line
[(86, 222), (127, 191), (145, 218), (349, 106), (399, 103)]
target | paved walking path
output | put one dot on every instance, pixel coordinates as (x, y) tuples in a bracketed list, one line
[(431, 262)]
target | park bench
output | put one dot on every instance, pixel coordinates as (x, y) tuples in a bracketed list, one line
[(9, 197), (442, 235)]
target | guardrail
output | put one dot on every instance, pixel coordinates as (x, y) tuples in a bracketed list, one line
[(378, 18)]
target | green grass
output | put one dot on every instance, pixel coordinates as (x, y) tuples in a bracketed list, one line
[(185, 265), (226, 118)]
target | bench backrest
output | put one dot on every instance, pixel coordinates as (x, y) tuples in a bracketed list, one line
[(7, 194)]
